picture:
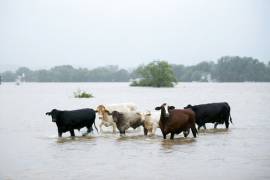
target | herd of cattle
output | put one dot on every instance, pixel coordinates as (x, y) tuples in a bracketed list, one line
[(123, 116)]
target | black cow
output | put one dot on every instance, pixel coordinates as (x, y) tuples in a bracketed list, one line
[(76, 119), (217, 113)]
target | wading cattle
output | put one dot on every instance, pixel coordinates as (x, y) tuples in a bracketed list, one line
[(105, 116), (150, 123), (176, 121), (70, 120), (217, 113), (125, 120)]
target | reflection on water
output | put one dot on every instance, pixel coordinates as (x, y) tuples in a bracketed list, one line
[(30, 148), (214, 131), (169, 144), (75, 139)]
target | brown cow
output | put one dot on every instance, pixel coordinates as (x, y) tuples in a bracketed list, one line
[(176, 121)]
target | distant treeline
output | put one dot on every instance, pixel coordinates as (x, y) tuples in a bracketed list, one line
[(226, 69)]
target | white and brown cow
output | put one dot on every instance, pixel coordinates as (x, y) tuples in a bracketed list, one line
[(125, 120), (104, 113)]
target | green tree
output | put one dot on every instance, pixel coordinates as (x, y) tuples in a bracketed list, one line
[(8, 76), (179, 71), (239, 69), (155, 74)]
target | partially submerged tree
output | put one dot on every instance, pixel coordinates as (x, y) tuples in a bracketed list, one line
[(155, 74), (82, 94)]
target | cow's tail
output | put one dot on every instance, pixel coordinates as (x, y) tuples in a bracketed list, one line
[(95, 126), (229, 113), (231, 118)]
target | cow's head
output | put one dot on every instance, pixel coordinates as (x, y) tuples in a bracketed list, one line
[(148, 113), (116, 116), (165, 111), (54, 113), (160, 107), (145, 115), (188, 106), (101, 110)]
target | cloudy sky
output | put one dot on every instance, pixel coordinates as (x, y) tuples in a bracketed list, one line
[(91, 33)]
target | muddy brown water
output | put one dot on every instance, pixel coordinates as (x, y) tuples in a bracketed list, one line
[(30, 148)]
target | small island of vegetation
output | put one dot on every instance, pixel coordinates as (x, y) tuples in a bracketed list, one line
[(155, 74), (82, 94)]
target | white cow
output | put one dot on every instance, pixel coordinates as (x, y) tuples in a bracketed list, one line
[(150, 123), (104, 113)]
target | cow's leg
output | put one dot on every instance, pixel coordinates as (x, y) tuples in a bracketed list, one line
[(100, 127), (114, 127), (194, 131), (172, 136), (204, 126), (59, 133), (186, 133), (89, 129), (154, 130), (122, 133), (164, 136), (215, 126), (151, 131), (227, 124), (72, 133), (145, 131)]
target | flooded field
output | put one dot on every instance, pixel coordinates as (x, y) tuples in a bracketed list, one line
[(30, 148)]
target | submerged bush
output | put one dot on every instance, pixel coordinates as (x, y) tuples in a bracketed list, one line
[(82, 94)]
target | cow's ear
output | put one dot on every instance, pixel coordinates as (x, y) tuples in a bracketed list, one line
[(114, 113), (171, 107), (158, 108), (108, 112), (48, 113)]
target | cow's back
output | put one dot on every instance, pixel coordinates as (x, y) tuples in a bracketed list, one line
[(209, 112), (80, 117), (121, 107)]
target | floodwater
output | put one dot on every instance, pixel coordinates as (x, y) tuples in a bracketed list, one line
[(30, 148)]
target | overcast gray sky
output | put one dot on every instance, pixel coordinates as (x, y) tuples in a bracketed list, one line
[(91, 33)]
